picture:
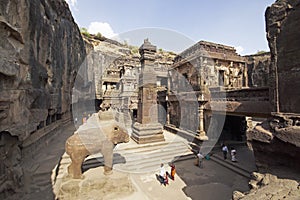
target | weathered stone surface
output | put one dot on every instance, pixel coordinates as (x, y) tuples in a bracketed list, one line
[(258, 69), (267, 186), (282, 18), (40, 51), (276, 142), (114, 68), (93, 137), (95, 186), (147, 129)]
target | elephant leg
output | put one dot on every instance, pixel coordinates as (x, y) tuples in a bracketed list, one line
[(107, 151), (74, 168)]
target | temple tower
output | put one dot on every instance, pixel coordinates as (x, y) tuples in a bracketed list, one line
[(147, 129)]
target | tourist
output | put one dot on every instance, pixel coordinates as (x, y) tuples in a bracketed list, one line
[(225, 151), (84, 120), (200, 159), (233, 154), (166, 180), (162, 174), (173, 171)]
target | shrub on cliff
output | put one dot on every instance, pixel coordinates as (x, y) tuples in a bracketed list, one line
[(85, 32)]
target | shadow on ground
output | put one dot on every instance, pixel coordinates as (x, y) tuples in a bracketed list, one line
[(213, 181), (98, 161)]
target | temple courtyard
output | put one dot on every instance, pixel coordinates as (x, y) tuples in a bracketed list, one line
[(216, 180)]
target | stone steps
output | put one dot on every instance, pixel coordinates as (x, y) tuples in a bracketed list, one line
[(143, 158), (231, 166)]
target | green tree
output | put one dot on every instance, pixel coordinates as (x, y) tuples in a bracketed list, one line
[(85, 32), (134, 49), (99, 35)]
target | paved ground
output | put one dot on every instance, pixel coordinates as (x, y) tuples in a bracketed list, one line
[(213, 181)]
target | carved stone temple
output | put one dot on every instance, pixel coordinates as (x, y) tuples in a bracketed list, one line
[(147, 128)]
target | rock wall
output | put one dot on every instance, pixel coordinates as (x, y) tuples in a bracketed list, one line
[(268, 186), (276, 142), (283, 34), (258, 69), (41, 49)]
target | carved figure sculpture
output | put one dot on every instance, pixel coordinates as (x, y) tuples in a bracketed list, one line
[(100, 134)]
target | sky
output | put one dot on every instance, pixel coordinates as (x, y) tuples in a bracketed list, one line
[(177, 24)]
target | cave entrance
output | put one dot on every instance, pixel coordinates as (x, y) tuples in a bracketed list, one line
[(234, 129)]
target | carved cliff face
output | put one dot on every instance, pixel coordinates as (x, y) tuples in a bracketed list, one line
[(282, 21), (276, 142), (40, 51)]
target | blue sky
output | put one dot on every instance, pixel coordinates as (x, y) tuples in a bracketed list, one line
[(238, 23)]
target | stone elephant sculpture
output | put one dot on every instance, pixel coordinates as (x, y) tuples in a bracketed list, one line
[(96, 136)]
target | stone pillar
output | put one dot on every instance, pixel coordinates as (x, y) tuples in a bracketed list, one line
[(201, 122), (167, 98), (246, 75), (201, 131), (147, 129), (203, 98)]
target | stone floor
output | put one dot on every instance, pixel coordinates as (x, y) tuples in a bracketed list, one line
[(213, 181)]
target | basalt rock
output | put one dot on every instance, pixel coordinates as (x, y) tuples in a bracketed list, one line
[(267, 186), (276, 142), (99, 134), (258, 69), (41, 49)]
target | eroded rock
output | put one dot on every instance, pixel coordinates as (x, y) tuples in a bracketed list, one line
[(96, 186), (267, 186), (276, 142), (41, 50)]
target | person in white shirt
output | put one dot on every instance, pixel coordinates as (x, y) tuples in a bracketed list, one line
[(200, 159), (162, 174), (225, 151)]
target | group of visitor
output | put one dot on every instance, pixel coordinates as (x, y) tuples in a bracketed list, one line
[(165, 175), (232, 153)]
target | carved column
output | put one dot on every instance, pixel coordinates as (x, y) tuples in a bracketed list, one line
[(201, 131), (147, 129)]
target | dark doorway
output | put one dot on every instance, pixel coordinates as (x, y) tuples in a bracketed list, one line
[(221, 78), (234, 128)]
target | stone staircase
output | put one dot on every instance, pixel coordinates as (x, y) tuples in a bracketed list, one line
[(132, 158), (242, 169), (232, 166), (142, 158)]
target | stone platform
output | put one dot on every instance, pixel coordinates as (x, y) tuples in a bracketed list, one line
[(147, 133)]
